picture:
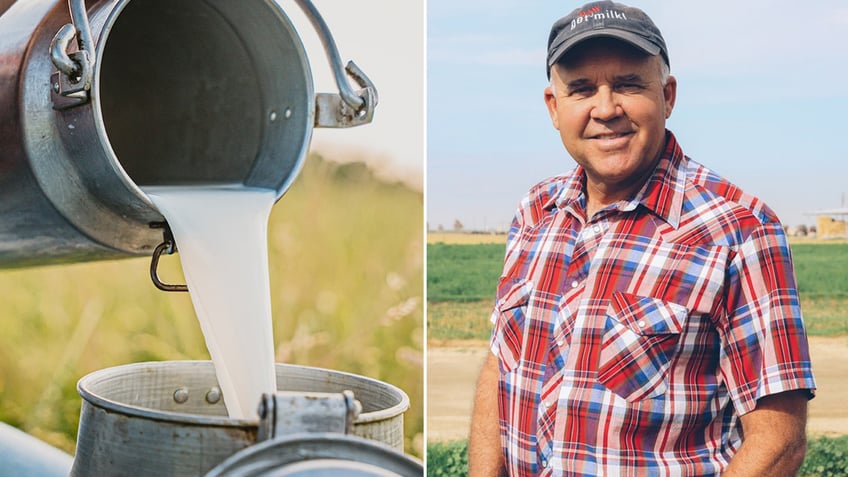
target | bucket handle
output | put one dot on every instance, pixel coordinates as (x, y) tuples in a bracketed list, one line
[(75, 68), (348, 108)]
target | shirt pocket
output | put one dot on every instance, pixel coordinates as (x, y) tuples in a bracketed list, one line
[(513, 296), (639, 340)]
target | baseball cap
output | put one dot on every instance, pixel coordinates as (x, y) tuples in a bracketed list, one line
[(605, 19)]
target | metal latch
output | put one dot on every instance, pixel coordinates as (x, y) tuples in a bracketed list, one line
[(167, 246), (71, 84), (334, 111), (286, 412)]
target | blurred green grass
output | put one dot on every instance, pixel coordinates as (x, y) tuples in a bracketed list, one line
[(346, 261), (461, 281)]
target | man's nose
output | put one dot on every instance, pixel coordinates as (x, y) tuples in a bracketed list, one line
[(606, 106)]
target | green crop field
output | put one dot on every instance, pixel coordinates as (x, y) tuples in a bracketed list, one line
[(347, 283), (821, 269), (461, 273), (461, 283)]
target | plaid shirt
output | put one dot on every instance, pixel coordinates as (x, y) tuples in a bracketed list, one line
[(631, 343)]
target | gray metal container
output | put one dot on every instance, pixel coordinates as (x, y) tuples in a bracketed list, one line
[(167, 418), (152, 92), (319, 455)]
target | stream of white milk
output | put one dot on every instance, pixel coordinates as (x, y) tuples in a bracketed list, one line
[(222, 238)]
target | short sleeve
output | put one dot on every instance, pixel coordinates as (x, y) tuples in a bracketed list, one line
[(764, 343)]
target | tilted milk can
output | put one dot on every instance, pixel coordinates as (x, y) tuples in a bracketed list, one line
[(100, 99)]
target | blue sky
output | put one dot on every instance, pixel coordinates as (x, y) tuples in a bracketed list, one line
[(762, 99)]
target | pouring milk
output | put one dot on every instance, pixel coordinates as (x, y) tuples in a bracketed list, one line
[(222, 236)]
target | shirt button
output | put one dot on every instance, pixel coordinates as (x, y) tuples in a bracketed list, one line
[(597, 229), (544, 462), (575, 284), (641, 324)]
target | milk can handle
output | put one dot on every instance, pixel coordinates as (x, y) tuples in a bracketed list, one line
[(355, 107), (76, 68)]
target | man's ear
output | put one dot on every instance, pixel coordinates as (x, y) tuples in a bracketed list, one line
[(670, 95), (551, 103)]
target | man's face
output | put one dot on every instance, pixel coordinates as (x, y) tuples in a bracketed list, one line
[(610, 106)]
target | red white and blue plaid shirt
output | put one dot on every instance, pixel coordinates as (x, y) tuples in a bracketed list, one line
[(630, 344)]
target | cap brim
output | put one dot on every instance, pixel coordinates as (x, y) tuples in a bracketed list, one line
[(625, 36)]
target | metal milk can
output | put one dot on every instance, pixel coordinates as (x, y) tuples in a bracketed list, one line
[(168, 418), (99, 98)]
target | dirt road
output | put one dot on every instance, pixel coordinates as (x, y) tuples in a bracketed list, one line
[(452, 370)]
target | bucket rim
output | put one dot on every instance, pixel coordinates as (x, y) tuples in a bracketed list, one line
[(93, 378)]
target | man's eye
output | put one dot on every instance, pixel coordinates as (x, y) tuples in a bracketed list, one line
[(630, 87), (581, 91)]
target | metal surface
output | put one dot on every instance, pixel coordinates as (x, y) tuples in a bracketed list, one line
[(85, 43), (161, 113), (181, 93), (167, 246), (130, 418), (287, 413), (59, 52), (22, 455), (77, 67), (318, 455), (331, 111)]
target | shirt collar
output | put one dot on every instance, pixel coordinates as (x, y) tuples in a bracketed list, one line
[(662, 193), (571, 191)]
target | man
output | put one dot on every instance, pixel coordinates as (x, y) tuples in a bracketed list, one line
[(647, 320)]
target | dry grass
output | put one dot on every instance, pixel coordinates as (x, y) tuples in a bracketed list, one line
[(816, 240), (465, 238), (450, 321), (825, 316)]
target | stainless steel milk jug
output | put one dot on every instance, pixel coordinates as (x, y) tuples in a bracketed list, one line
[(167, 418), (98, 99)]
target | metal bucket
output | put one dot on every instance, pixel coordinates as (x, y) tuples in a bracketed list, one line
[(152, 92), (168, 418)]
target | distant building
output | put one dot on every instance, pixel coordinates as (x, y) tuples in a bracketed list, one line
[(831, 223)]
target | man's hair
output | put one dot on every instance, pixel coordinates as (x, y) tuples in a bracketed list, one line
[(665, 72)]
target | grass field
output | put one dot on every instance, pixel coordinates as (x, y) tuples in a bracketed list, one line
[(461, 273), (461, 279), (346, 277)]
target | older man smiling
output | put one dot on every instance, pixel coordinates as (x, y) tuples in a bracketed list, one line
[(647, 320)]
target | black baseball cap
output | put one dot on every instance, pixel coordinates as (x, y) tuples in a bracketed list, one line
[(605, 19)]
